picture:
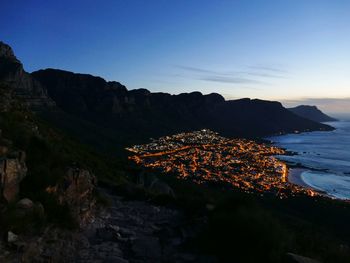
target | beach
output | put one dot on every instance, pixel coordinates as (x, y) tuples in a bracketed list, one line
[(329, 184), (294, 177), (322, 161)]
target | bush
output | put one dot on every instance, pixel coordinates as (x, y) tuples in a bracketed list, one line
[(244, 234)]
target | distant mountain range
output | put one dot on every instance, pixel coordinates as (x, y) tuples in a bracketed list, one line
[(109, 116), (311, 113)]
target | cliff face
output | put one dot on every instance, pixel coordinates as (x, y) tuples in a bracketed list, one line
[(110, 104), (108, 116), (311, 113), (12, 172), (20, 82), (76, 192)]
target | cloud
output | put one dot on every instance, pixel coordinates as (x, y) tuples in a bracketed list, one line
[(198, 70), (234, 80), (269, 68), (266, 75), (253, 75)]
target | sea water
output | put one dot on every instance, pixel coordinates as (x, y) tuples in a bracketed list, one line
[(326, 153)]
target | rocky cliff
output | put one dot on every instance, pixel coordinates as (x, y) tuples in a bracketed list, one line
[(21, 83), (127, 112), (116, 116), (76, 192), (12, 172)]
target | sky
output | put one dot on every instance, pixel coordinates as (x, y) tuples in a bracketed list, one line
[(294, 51)]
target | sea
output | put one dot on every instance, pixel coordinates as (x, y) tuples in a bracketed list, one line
[(326, 156)]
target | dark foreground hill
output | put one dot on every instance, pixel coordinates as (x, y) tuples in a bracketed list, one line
[(311, 113)]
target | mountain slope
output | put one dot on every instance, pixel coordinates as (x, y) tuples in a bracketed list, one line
[(278, 226), (13, 75), (128, 112), (311, 113), (110, 117)]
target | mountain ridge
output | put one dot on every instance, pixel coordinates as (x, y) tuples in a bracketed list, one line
[(108, 115), (312, 113), (22, 84), (82, 93)]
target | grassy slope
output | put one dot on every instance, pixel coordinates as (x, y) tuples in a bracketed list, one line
[(268, 226), (49, 153), (243, 227)]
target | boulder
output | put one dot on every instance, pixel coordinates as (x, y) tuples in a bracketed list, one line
[(160, 188), (11, 237), (294, 258), (76, 191), (147, 248), (3, 150), (12, 172), (25, 203)]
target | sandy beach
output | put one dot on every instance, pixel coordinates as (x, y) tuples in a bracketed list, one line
[(294, 177), (328, 184)]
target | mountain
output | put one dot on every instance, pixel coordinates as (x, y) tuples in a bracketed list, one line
[(311, 113), (52, 211), (22, 84), (110, 117), (141, 114)]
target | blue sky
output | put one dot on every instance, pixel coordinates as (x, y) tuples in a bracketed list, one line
[(290, 50)]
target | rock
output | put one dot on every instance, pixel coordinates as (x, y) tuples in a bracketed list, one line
[(161, 188), (7, 52), (105, 234), (12, 172), (16, 79), (114, 228), (39, 211), (11, 237), (30, 252), (76, 191), (127, 232), (210, 207), (147, 248), (25, 203), (3, 150), (294, 258), (115, 260)]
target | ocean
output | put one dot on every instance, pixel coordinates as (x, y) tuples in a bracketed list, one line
[(326, 154)]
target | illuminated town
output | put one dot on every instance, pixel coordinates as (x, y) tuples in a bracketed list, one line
[(205, 157)]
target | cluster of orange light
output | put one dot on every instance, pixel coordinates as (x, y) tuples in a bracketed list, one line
[(243, 164)]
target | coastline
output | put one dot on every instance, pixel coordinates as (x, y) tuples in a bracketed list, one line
[(318, 169), (294, 177)]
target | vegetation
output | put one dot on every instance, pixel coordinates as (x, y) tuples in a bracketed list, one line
[(254, 228), (49, 154), (246, 227)]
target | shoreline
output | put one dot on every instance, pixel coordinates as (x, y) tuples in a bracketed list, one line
[(294, 177)]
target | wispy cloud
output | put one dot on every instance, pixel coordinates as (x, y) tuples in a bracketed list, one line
[(195, 69), (269, 68), (253, 75), (266, 75), (234, 80)]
